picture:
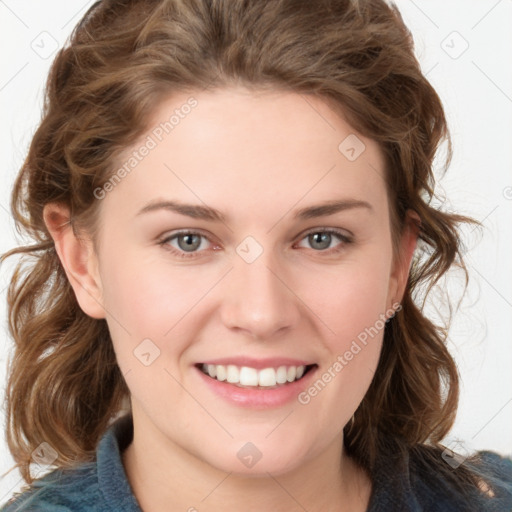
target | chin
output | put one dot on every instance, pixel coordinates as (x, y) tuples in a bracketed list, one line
[(254, 461)]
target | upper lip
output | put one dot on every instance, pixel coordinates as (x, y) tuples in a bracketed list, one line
[(271, 362)]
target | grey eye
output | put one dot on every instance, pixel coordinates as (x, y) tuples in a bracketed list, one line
[(323, 239), (189, 242)]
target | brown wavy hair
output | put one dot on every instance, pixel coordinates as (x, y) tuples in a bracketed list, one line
[(64, 385)]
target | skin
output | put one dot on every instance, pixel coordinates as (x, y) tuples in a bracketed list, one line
[(257, 157)]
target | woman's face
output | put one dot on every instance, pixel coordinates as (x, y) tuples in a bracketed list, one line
[(263, 276)]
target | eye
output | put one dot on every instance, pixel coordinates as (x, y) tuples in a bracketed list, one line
[(321, 239), (187, 243)]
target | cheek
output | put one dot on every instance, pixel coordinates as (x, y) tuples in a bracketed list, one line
[(351, 302), (353, 311), (351, 298), (141, 306), (148, 296)]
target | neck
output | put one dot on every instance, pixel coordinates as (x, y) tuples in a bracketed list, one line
[(164, 476)]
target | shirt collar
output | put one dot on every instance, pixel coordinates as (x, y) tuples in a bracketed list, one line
[(112, 478)]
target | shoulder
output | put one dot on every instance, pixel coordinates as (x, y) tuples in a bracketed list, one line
[(426, 477), (441, 479), (495, 477), (100, 485), (62, 490)]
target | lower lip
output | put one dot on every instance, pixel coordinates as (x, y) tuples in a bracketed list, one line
[(257, 398)]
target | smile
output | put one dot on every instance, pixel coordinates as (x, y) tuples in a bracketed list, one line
[(264, 378)]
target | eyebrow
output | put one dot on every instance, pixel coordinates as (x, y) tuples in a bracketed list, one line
[(208, 213)]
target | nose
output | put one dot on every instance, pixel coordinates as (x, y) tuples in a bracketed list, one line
[(258, 299)]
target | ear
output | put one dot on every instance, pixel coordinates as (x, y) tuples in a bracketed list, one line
[(78, 258), (402, 264)]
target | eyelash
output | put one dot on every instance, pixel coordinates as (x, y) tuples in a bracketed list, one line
[(345, 239)]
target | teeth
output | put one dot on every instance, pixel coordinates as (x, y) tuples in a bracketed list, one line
[(246, 376), (221, 372), (292, 373), (267, 377), (281, 375), (232, 374)]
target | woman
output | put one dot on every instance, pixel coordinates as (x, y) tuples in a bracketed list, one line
[(230, 208)]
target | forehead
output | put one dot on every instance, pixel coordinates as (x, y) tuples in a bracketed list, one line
[(236, 147)]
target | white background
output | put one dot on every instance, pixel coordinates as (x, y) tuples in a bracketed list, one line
[(475, 84)]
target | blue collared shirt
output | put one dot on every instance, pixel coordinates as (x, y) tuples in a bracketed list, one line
[(401, 483)]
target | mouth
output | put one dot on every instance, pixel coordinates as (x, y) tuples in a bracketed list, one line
[(253, 378)]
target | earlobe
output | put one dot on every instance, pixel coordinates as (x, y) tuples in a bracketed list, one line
[(77, 258), (402, 267)]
